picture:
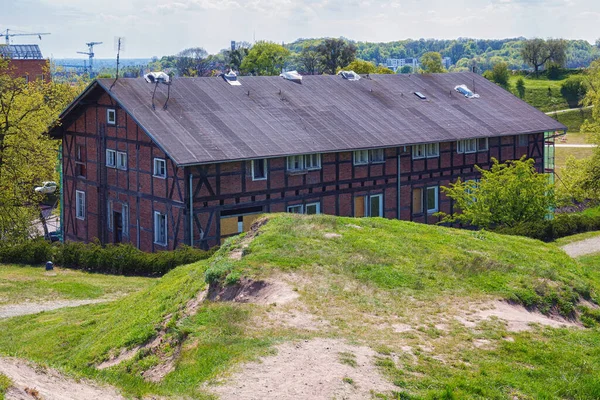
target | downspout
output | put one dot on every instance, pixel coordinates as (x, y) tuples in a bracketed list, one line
[(62, 196), (191, 211), (398, 178)]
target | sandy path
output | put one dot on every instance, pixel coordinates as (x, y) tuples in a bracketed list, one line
[(308, 370), (583, 247), (50, 384), (15, 310)]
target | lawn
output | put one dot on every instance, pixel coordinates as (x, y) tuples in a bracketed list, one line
[(573, 120), (562, 153), (541, 93), (362, 276), (34, 284)]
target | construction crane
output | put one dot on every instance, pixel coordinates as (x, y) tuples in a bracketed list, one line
[(8, 35), (90, 53)]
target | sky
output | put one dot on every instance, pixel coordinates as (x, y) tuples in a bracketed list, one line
[(164, 27)]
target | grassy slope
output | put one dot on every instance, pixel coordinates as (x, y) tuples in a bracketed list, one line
[(536, 93), (5, 383), (19, 284), (378, 270)]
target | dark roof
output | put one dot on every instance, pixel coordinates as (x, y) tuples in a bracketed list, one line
[(207, 120)]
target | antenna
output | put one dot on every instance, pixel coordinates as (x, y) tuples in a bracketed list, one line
[(119, 45), (90, 54)]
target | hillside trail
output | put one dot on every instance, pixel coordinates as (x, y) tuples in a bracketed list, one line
[(583, 247), (16, 310), (31, 382)]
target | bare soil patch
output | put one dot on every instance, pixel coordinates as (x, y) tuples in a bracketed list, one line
[(15, 310), (257, 292), (31, 382), (583, 247), (517, 317), (312, 369)]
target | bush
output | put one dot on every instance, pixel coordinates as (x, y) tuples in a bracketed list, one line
[(121, 259), (562, 225), (573, 90)]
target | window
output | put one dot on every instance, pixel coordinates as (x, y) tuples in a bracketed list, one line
[(111, 158), (312, 161), (433, 150), (361, 157), (298, 209), (482, 144), (39, 77), (376, 205), (125, 219), (80, 204), (429, 150), (295, 163), (432, 199), (472, 145), (121, 160), (417, 201), (523, 140), (109, 215), (111, 116), (259, 169), (377, 155), (80, 169), (160, 168), (26, 77), (313, 208), (160, 228)]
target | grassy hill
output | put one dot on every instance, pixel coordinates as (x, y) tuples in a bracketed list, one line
[(409, 292)]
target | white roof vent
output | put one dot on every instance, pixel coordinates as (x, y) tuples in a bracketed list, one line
[(293, 76), (349, 75), (464, 90), (231, 78), (157, 77)]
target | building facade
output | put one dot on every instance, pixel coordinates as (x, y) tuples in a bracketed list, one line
[(26, 61), (121, 186)]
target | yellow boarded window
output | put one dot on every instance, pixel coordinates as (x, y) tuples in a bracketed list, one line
[(359, 206), (417, 201)]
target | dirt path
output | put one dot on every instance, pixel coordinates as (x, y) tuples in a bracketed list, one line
[(583, 247), (29, 380), (15, 310), (566, 110), (319, 369), (579, 146)]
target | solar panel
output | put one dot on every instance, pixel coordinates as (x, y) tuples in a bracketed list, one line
[(21, 51)]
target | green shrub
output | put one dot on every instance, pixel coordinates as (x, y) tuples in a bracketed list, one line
[(121, 259), (562, 225)]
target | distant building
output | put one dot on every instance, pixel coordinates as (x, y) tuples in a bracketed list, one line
[(26, 61), (397, 63)]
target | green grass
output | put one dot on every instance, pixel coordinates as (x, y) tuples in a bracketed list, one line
[(20, 283), (5, 383), (536, 93), (372, 274), (563, 153), (573, 121), (576, 238)]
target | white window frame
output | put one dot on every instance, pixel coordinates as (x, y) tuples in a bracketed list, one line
[(523, 140), (419, 151), (80, 204), (111, 158), (432, 150), (157, 239), (296, 207), (466, 146), (312, 161), (361, 157), (317, 205), (158, 161), (125, 219), (291, 161), (368, 210), (377, 156), (260, 178), (436, 191), (122, 156), (111, 120), (109, 219)]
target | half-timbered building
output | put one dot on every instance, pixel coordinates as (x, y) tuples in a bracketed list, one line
[(196, 161)]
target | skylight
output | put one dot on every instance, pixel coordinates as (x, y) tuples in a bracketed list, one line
[(231, 78), (464, 90), (293, 76), (420, 95), (349, 75)]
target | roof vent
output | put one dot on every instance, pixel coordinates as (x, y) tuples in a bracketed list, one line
[(293, 76), (231, 78), (157, 77), (349, 75), (464, 90), (420, 95)]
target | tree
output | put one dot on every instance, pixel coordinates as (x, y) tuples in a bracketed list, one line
[(500, 74), (592, 97), (265, 58), (335, 53), (190, 62), (537, 52), (309, 60), (507, 194), (383, 70), (573, 90), (521, 87), (406, 69), (27, 155), (361, 67), (431, 63)]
